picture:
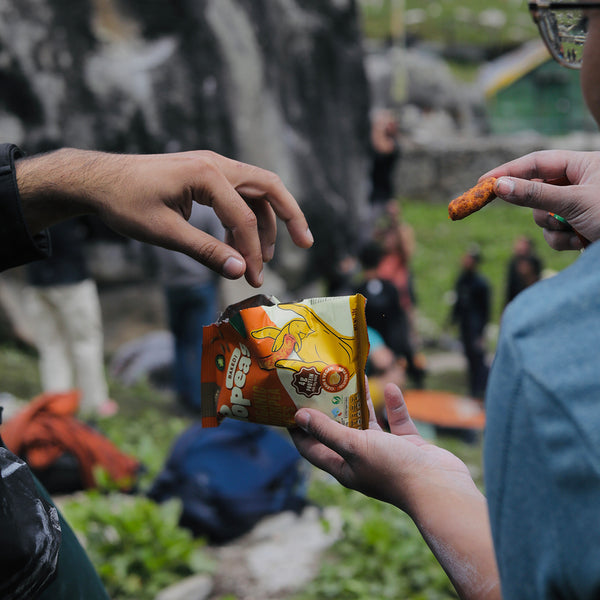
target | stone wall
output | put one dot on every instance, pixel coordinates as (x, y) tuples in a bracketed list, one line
[(440, 171)]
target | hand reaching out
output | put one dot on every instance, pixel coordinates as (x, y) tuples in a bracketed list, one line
[(149, 198), (563, 182)]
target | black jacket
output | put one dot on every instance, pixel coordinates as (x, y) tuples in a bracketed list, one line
[(17, 245), (68, 263), (31, 529)]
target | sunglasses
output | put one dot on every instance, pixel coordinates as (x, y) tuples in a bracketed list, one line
[(563, 27)]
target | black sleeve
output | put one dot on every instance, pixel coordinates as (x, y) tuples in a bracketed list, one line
[(17, 245)]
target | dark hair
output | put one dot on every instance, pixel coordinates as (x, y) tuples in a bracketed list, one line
[(370, 254)]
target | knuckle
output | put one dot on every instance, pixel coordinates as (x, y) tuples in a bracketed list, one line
[(209, 251), (351, 451), (204, 162), (272, 179), (534, 193), (249, 220)]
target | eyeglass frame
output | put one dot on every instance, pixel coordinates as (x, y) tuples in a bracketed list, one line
[(535, 6)]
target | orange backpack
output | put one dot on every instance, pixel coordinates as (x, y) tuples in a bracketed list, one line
[(48, 429)]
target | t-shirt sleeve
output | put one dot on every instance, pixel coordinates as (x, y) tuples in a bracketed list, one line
[(17, 245)]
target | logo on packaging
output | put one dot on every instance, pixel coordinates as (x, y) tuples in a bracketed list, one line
[(334, 378), (307, 381)]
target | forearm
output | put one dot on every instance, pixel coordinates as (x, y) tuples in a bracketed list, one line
[(63, 184), (454, 522)]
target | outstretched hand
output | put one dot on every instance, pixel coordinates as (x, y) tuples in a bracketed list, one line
[(563, 182), (149, 198)]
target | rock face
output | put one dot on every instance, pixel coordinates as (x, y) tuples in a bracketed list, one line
[(278, 83)]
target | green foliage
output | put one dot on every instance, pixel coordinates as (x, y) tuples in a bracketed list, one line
[(135, 544), (493, 23), (19, 372), (380, 554), (148, 436)]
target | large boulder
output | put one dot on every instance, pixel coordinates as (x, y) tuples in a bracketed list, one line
[(278, 83)]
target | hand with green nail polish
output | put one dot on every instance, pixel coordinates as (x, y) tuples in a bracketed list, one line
[(556, 183)]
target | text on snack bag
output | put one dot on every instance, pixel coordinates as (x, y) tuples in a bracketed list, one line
[(235, 380)]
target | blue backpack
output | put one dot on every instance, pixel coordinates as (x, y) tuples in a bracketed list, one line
[(231, 476)]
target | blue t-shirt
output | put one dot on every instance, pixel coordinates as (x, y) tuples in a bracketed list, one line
[(542, 442)]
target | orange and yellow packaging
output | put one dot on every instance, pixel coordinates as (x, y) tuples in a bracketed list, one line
[(263, 360)]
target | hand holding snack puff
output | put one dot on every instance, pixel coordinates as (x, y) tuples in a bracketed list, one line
[(262, 361)]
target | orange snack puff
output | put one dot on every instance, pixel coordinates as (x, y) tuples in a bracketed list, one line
[(263, 360), (472, 200)]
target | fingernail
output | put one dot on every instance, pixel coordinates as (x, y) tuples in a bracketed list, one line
[(233, 268), (505, 186), (269, 253), (309, 236), (261, 278), (575, 242), (302, 419)]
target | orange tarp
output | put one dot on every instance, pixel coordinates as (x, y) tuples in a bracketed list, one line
[(444, 409)]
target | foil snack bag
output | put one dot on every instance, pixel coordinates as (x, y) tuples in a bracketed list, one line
[(262, 361)]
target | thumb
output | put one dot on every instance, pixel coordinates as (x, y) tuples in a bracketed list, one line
[(557, 199), (330, 433), (178, 234), (398, 418)]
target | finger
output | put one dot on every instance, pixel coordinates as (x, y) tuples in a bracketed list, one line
[(558, 234), (545, 165), (335, 436), (316, 452), (538, 195), (547, 220), (279, 341), (562, 240), (239, 221), (397, 413), (175, 233), (267, 227), (253, 183)]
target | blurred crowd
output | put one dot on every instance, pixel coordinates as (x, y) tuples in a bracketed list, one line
[(381, 270)]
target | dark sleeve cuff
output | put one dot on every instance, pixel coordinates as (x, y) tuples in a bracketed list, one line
[(17, 245)]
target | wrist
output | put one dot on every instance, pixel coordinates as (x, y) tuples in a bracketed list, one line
[(452, 516), (434, 491)]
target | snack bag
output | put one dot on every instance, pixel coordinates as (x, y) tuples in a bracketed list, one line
[(262, 361)]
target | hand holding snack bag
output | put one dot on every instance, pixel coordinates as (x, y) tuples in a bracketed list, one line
[(263, 360)]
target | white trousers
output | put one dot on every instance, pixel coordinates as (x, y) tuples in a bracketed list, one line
[(67, 324)]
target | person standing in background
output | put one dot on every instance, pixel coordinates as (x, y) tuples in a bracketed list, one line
[(524, 267), (384, 155), (62, 303), (398, 241), (191, 294), (384, 312), (471, 312)]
